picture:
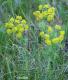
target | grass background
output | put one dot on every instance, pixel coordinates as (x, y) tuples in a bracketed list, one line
[(37, 63)]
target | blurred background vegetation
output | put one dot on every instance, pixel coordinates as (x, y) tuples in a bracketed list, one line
[(17, 63)]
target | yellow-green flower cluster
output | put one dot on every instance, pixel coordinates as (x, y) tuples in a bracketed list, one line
[(50, 40), (17, 26), (45, 11)]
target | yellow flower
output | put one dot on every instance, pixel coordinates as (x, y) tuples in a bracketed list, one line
[(62, 32), (12, 19), (17, 21), (55, 40), (50, 29), (14, 29), (21, 29), (26, 27), (40, 7), (19, 25), (47, 36), (46, 6), (9, 25), (36, 13), (48, 42), (44, 13), (48, 14), (19, 35), (50, 18), (61, 37), (23, 21), (41, 34), (6, 25), (51, 10), (18, 17), (9, 31), (57, 27), (40, 16)]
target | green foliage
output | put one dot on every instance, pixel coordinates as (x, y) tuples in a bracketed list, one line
[(27, 59)]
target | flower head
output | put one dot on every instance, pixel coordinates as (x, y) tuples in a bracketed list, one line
[(49, 37), (57, 27), (9, 31), (50, 29), (41, 34), (19, 35), (46, 6), (50, 18), (12, 19), (62, 32), (55, 40), (40, 7), (47, 12), (17, 26), (48, 42), (18, 17)]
